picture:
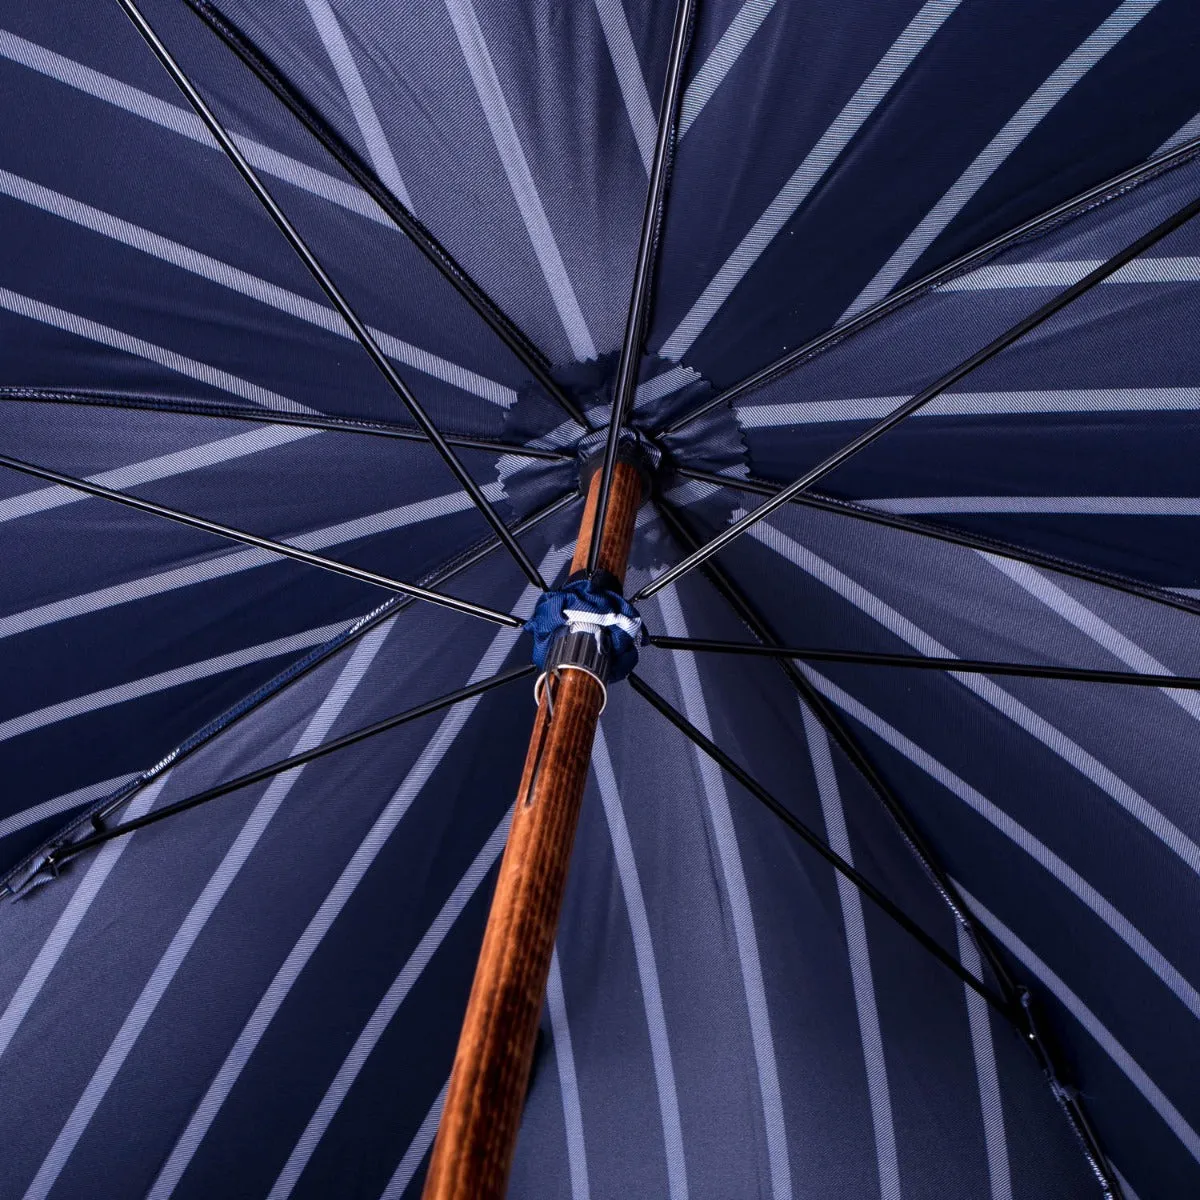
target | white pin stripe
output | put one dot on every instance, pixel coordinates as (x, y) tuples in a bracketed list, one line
[(721, 61), (983, 1049), (642, 117), (61, 804), (1099, 506), (301, 953), (137, 689), (221, 566), (225, 275), (341, 690), (520, 178), (811, 171), (1055, 866), (86, 890), (182, 121), (859, 954), (1132, 1070), (386, 1011), (364, 112), (116, 339), (164, 466), (649, 977), (1062, 274), (975, 404), (741, 913), (568, 1081), (998, 150), (418, 1148), (1024, 717)]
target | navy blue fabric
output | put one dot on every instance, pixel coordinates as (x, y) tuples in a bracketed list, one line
[(586, 596), (260, 997)]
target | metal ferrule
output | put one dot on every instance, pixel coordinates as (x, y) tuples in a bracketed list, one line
[(577, 648), (584, 647)]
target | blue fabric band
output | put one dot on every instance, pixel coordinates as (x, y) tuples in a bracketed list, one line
[(570, 605)]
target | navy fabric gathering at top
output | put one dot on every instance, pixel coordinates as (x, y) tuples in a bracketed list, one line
[(259, 995)]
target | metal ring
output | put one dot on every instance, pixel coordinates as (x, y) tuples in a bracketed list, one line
[(537, 685)]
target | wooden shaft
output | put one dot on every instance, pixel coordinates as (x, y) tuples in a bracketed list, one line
[(473, 1152)]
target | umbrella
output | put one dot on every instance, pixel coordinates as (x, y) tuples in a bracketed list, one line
[(798, 399)]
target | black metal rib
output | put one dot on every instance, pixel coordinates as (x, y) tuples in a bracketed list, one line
[(232, 412), (643, 275), (923, 397), (954, 537), (838, 863), (843, 737), (534, 361), (1084, 202), (467, 607), (969, 666), (1017, 997), (382, 613), (68, 850), (361, 333)]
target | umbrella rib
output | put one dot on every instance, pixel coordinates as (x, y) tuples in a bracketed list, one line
[(363, 626), (467, 607), (1084, 202), (351, 162), (955, 537), (360, 331), (841, 734), (935, 389), (805, 832), (970, 666), (1017, 997), (58, 855), (321, 422), (636, 318)]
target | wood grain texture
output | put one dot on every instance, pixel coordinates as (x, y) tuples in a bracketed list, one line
[(472, 1156)]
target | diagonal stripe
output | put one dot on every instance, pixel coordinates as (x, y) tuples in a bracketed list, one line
[(1129, 1067), (1181, 269), (1130, 1194), (184, 122), (647, 969), (69, 322), (364, 112), (165, 466), (78, 706), (520, 179), (237, 280), (1180, 137), (197, 918), (989, 160), (1092, 506), (276, 993), (1092, 626), (720, 62), (69, 921), (630, 79), (222, 565), (975, 404), (418, 1148), (386, 1010), (61, 804), (741, 913), (568, 1081), (858, 950), (983, 1048), (810, 172), (1066, 875), (1107, 781)]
